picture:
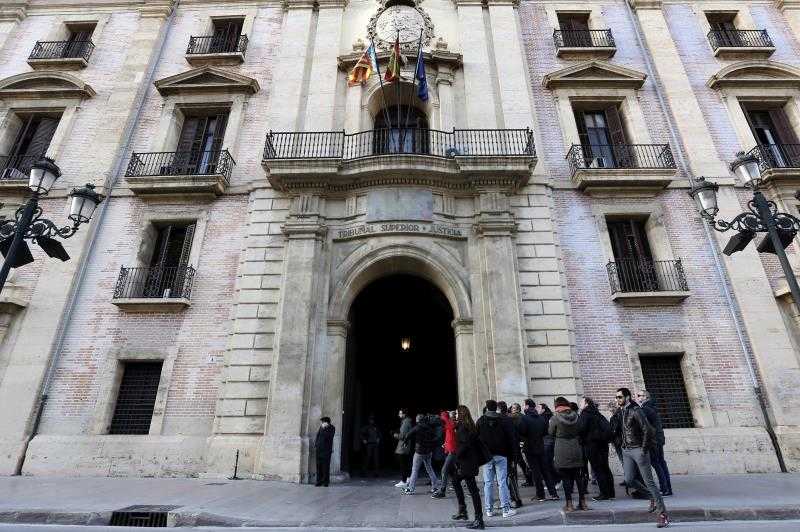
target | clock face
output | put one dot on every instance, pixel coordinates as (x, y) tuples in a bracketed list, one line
[(406, 20)]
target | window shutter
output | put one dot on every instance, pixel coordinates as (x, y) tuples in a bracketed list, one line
[(784, 128), (41, 138), (750, 122), (189, 132), (615, 129), (219, 131), (580, 121), (187, 246), (160, 252)]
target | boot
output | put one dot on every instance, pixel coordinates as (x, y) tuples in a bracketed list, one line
[(582, 504), (652, 506), (568, 506), (663, 520), (477, 524), (460, 516)]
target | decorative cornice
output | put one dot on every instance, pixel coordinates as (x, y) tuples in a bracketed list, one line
[(756, 74), (204, 80), (784, 5), (299, 4), (645, 4), (156, 8), (432, 59), (595, 74), (13, 10)]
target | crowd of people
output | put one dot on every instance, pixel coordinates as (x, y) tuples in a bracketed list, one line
[(567, 446)]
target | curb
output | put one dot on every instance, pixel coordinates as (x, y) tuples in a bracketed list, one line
[(591, 517)]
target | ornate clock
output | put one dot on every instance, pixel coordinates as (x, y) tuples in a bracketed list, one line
[(406, 20)]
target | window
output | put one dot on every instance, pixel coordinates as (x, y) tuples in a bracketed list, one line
[(632, 256), (226, 33), (771, 128), (723, 26), (169, 263), (575, 29), (136, 398), (602, 137), (390, 137), (663, 378), (30, 145), (200, 143)]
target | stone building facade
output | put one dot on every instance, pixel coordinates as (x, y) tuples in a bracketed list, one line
[(542, 193)]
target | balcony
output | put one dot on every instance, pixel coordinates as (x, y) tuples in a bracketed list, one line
[(780, 163), (15, 171), (621, 167), (412, 155), (154, 289), (182, 172), (584, 43), (216, 50), (64, 55), (647, 282), (726, 43)]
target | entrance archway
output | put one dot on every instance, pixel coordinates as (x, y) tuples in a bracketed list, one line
[(381, 376)]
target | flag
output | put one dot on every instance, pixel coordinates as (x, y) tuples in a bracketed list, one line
[(364, 68), (422, 89), (396, 60)]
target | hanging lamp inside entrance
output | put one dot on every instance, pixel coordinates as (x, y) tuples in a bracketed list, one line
[(405, 343)]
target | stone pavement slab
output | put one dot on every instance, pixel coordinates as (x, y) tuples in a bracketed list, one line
[(369, 504)]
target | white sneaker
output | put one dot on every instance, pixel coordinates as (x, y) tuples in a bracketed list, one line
[(489, 513), (509, 513), (400, 484)]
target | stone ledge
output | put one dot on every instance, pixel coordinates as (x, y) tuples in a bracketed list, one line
[(780, 176), (744, 52), (166, 185), (581, 52), (227, 58), (622, 181), (151, 304), (15, 185), (59, 63), (646, 299)]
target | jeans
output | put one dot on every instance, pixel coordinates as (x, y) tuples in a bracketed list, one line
[(540, 475), (570, 475), (447, 468), (635, 459), (418, 461), (598, 457), (660, 465), (496, 467), (472, 486)]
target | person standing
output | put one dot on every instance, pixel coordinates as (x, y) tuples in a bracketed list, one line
[(638, 437), (498, 437), (596, 434), (371, 439), (323, 446), (425, 441), (549, 444), (568, 453), (403, 449), (513, 457), (533, 447), (469, 456), (657, 451), (449, 446)]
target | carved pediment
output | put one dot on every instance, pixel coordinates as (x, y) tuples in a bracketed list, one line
[(206, 79), (756, 74), (45, 85), (595, 74)]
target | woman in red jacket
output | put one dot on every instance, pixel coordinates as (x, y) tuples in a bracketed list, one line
[(449, 450)]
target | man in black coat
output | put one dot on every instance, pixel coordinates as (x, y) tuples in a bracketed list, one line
[(534, 433), (595, 434), (497, 433), (324, 449), (657, 450)]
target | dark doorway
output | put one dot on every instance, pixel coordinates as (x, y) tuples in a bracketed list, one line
[(382, 377)]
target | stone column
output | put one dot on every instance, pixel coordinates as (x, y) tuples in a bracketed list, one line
[(473, 387), (478, 87), (444, 86), (324, 74), (11, 13), (500, 307), (335, 365), (791, 10), (285, 449)]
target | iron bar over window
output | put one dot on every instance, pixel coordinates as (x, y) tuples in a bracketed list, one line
[(430, 142), (583, 39), (62, 50), (136, 398), (639, 275), (17, 166), (663, 378), (777, 155), (732, 38), (217, 44), (212, 162), (156, 282), (620, 156)]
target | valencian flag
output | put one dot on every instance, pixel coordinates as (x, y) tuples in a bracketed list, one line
[(364, 67), (396, 60), (422, 89)]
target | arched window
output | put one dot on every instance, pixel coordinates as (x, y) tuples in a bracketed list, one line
[(406, 131)]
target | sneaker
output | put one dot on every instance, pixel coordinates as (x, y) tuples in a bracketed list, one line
[(539, 499), (666, 494), (400, 484), (437, 495), (489, 513), (663, 521), (509, 512), (407, 491), (553, 498)]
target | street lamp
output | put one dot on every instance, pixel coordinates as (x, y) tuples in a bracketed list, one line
[(29, 224)]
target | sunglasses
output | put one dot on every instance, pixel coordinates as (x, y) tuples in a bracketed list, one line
[(620, 396)]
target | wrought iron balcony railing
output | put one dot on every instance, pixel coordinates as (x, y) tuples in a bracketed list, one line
[(583, 39), (156, 282), (218, 162), (615, 156), (739, 39), (17, 167), (777, 155), (633, 275), (216, 44), (62, 50), (416, 141)]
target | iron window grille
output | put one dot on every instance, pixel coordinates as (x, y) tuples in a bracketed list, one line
[(777, 155), (136, 398), (663, 378), (217, 44), (583, 39), (62, 50), (613, 156), (17, 166), (732, 38), (177, 163), (641, 275), (155, 282)]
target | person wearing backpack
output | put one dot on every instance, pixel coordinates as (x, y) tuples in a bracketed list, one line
[(596, 434)]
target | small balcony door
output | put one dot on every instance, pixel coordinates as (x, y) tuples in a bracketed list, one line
[(78, 36), (405, 132), (226, 36), (200, 144), (724, 26), (634, 260), (774, 133), (30, 145), (602, 137), (575, 29), (169, 262)]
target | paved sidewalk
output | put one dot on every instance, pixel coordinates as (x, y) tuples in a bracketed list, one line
[(370, 504)]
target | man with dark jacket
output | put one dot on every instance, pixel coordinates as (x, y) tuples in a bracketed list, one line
[(595, 434), (323, 446), (657, 451), (515, 457), (425, 438), (371, 440), (638, 437), (533, 447), (497, 434)]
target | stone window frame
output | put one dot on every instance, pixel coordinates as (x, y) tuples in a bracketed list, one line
[(733, 97), (247, 16), (61, 31), (596, 19), (110, 377), (655, 227), (743, 19), (691, 370), (10, 122), (148, 234)]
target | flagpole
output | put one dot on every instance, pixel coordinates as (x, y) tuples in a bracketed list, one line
[(380, 80), (413, 83)]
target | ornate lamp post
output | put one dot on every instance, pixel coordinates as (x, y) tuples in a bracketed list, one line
[(28, 223)]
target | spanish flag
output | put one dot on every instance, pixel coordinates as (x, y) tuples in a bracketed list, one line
[(364, 67), (396, 60)]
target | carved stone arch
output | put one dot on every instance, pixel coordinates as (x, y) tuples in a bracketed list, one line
[(45, 85), (423, 259), (374, 101), (756, 73)]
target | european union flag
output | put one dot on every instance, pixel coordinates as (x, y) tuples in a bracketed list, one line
[(422, 89)]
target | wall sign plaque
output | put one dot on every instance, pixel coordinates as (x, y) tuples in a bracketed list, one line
[(380, 229)]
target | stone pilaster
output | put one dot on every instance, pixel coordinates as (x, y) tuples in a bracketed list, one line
[(334, 374), (324, 71), (473, 384), (444, 86), (479, 90), (791, 10), (12, 12)]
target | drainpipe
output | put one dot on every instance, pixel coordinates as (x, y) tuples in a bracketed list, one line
[(94, 229), (732, 308)]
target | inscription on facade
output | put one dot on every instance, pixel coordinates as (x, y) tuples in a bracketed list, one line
[(362, 230)]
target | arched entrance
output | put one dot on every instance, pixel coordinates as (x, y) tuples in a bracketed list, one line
[(401, 353)]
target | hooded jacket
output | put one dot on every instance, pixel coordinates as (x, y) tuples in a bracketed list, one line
[(564, 428), (449, 433), (425, 437), (403, 445), (536, 432), (497, 433)]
